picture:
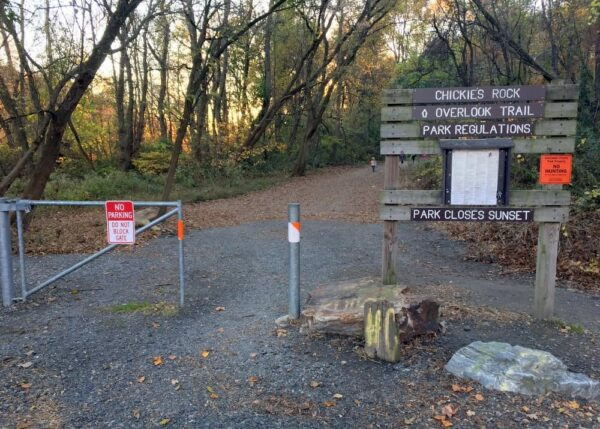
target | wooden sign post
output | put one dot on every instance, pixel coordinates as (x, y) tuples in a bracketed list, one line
[(521, 119)]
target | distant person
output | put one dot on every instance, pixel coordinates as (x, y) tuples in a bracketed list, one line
[(413, 158), (402, 157), (373, 164)]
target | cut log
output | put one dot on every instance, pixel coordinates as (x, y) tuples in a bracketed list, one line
[(339, 308), (386, 330)]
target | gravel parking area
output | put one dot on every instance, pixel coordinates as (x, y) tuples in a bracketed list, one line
[(108, 347)]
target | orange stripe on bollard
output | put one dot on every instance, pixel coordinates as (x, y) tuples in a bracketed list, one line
[(180, 229)]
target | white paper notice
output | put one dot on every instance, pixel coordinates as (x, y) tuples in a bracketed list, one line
[(474, 177)]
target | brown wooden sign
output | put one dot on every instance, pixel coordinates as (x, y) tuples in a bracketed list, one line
[(478, 111), (479, 94), (488, 129), (472, 214)]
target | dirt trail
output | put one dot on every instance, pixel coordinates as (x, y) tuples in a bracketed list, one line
[(340, 193)]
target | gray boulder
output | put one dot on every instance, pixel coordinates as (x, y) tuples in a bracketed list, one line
[(501, 366)]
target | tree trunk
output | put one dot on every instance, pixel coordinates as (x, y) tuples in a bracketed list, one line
[(140, 126), (87, 71)]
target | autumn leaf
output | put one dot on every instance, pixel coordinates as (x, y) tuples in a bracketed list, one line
[(448, 411), (338, 396), (205, 353), (220, 309), (442, 419), (164, 422), (329, 404), (25, 365), (136, 413), (470, 413), (174, 382), (253, 379), (314, 384), (214, 396), (525, 408), (155, 325), (141, 379), (574, 405), (479, 397), (281, 332), (157, 361), (456, 388)]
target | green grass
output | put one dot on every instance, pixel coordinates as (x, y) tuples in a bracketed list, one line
[(227, 188), (570, 327), (136, 187), (144, 307)]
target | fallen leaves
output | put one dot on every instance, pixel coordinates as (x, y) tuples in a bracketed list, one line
[(457, 388), (141, 378), (479, 397), (280, 332), (175, 383), (573, 405), (470, 413), (442, 419), (25, 365), (253, 379), (448, 411), (135, 413), (205, 353), (220, 309), (157, 360), (314, 384), (329, 404), (212, 394), (164, 422), (338, 396)]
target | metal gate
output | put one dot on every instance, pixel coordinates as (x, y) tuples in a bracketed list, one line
[(23, 206)]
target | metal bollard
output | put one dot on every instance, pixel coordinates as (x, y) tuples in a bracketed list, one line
[(294, 240), (6, 272)]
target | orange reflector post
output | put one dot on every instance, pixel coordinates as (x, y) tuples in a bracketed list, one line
[(180, 229)]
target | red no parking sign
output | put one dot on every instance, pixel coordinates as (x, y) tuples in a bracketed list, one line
[(120, 222)]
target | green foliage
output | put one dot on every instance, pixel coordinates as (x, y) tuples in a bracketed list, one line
[(524, 171), (429, 172), (97, 186), (153, 158), (590, 200)]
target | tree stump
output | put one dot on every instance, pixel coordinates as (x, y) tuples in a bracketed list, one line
[(385, 330), (339, 307)]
